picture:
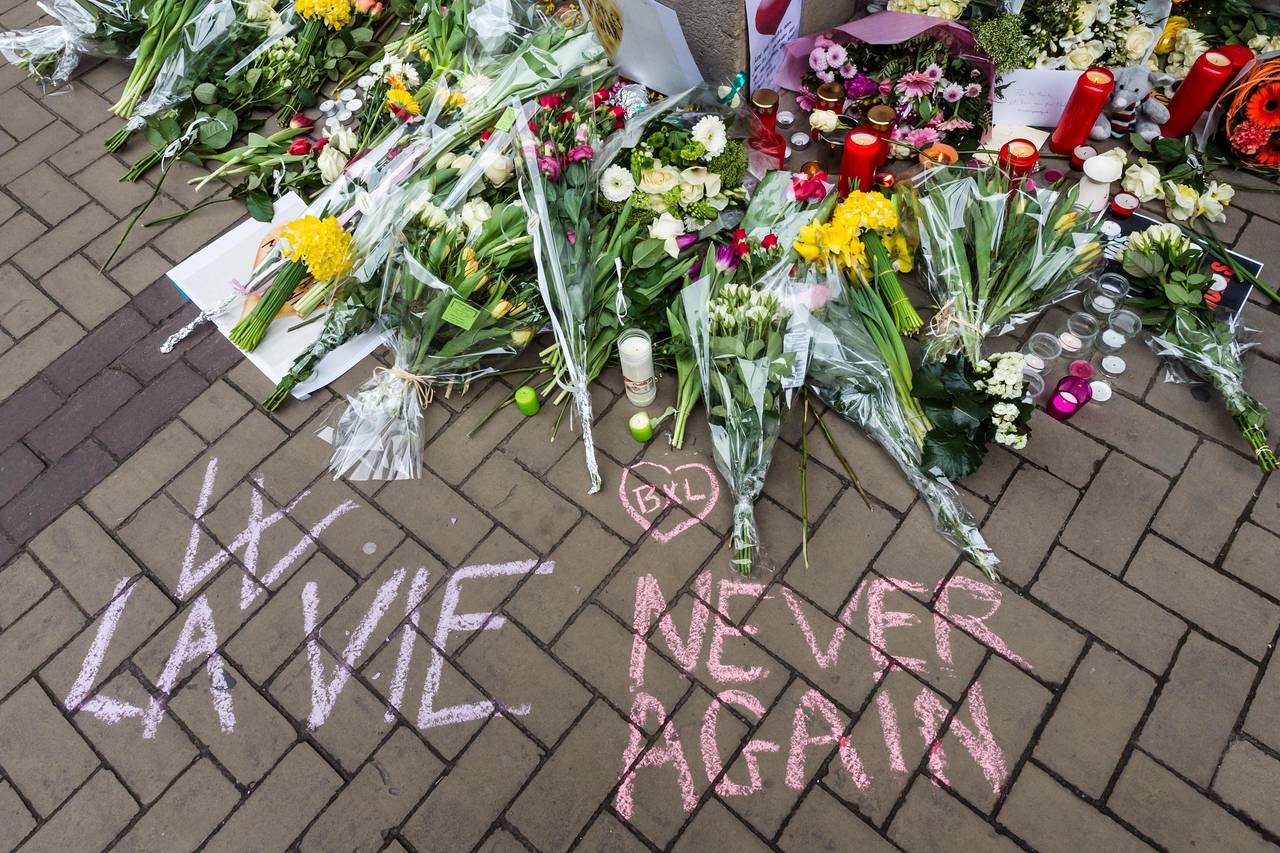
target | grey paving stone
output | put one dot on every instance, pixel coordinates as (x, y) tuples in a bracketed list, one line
[(89, 820), (1027, 520), (15, 820), (1238, 616), (1192, 720), (1175, 815), (1111, 611), (1049, 817), (18, 467), (716, 825), (187, 813), (1263, 720), (31, 354), (46, 776), (36, 635), (22, 584), (74, 542), (142, 474), (1095, 720), (1245, 781), (1114, 512), (1063, 450), (823, 823), (1252, 558), (935, 821), (22, 305), (1205, 505), (1141, 433)]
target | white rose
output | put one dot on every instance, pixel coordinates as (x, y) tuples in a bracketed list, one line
[(658, 179), (1180, 201), (463, 162), (617, 184), (429, 214), (331, 162), (1136, 42), (1080, 57), (667, 228), (1143, 180), (823, 121), (343, 139), (497, 168), (1086, 14), (475, 214), (710, 132), (656, 203)]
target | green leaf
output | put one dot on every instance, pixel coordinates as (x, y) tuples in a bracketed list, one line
[(647, 253), (216, 133), (257, 140), (335, 48), (205, 93), (260, 205), (252, 76), (956, 456), (362, 35)]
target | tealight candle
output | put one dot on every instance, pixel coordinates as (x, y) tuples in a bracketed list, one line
[(1040, 349), (527, 401), (785, 119), (1237, 54), (1208, 76), (635, 352), (1112, 365), (1070, 342), (1110, 340), (800, 140), (1081, 153), (1099, 391), (939, 154), (861, 156), (641, 427), (1092, 90), (1124, 204), (1079, 333)]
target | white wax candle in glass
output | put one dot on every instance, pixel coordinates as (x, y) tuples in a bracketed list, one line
[(1070, 342), (635, 351)]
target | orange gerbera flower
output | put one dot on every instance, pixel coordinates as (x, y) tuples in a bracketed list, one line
[(1268, 156), (1263, 107)]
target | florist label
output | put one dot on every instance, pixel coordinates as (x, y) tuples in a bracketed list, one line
[(461, 314)]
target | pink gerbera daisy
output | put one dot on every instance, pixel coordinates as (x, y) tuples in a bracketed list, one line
[(953, 93), (973, 90), (954, 124), (914, 84), (923, 136), (933, 71)]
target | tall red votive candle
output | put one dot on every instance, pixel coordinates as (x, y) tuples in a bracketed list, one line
[(1238, 54), (859, 161), (1093, 88), (1207, 78), (1017, 158)]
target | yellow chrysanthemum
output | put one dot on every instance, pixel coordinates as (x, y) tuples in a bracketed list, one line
[(321, 244), (402, 99), (335, 13)]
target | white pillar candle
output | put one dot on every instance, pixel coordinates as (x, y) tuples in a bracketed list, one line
[(635, 351), (1095, 187)]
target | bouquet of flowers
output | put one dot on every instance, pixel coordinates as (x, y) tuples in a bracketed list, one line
[(1168, 266), (1251, 116), (848, 372), (1184, 184), (51, 54), (995, 258), (454, 315), (737, 331), (1203, 24), (1069, 34), (939, 91)]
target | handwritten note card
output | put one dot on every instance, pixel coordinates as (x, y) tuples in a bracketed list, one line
[(1034, 96)]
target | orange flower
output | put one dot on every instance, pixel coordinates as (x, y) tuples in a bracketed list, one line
[(1263, 107), (1268, 156)]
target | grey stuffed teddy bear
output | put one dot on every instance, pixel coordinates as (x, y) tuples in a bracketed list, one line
[(1131, 108)]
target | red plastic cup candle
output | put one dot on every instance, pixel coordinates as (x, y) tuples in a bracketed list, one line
[(858, 164), (1123, 204), (1069, 397), (1081, 153), (1205, 81), (882, 119), (764, 103), (1017, 158), (1093, 88)]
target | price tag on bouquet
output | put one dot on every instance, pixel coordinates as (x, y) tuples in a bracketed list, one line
[(460, 313), (796, 342)]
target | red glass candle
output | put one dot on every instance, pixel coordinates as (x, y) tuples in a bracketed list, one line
[(861, 156), (1093, 88), (1017, 158), (764, 103), (1205, 81), (1069, 397), (1081, 153)]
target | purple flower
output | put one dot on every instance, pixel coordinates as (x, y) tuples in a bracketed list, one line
[(581, 152), (684, 241), (848, 69), (694, 270), (823, 41), (806, 102), (826, 76), (953, 93), (933, 71), (836, 56), (973, 90), (726, 259), (860, 86)]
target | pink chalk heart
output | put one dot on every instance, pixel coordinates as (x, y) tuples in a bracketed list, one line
[(682, 485)]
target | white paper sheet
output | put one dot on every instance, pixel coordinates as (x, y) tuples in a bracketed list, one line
[(205, 279), (645, 42), (1034, 96), (1002, 133), (771, 24)]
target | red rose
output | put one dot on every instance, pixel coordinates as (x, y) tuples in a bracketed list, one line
[(769, 241)]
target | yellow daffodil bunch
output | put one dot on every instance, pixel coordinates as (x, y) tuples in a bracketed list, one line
[(321, 244), (841, 238), (335, 13)]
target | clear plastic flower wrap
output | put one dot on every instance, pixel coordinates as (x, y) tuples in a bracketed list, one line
[(452, 316), (847, 372), (1212, 351), (996, 256), (51, 54), (738, 332)]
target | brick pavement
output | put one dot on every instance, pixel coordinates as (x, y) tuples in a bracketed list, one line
[(235, 686)]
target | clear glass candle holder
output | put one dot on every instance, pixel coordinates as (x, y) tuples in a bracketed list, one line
[(1107, 294), (1126, 323), (1078, 334), (1040, 350), (1032, 385)]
